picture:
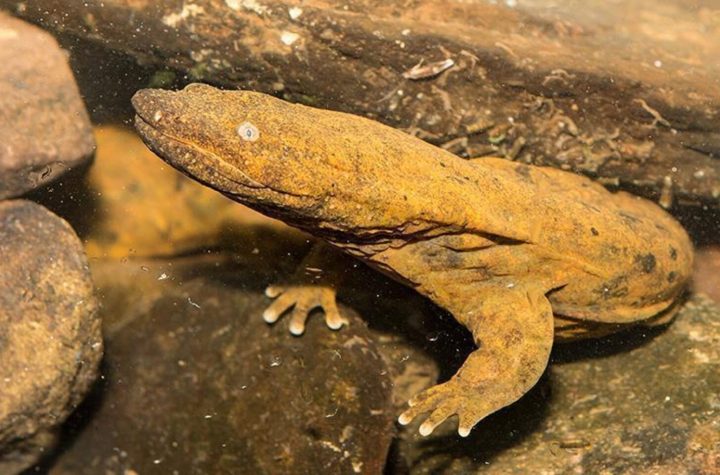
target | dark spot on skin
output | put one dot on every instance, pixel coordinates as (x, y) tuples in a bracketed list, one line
[(454, 260), (523, 171), (611, 250), (512, 338), (671, 276), (438, 257), (673, 253), (594, 232), (614, 288), (530, 366), (647, 262)]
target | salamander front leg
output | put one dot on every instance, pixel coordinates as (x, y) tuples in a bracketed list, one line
[(514, 330), (313, 286), (302, 299)]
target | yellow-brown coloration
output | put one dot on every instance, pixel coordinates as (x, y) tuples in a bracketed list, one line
[(502, 246)]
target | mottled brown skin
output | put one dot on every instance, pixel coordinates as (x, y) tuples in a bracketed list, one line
[(501, 245)]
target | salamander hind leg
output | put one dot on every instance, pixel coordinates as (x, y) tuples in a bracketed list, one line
[(300, 300), (514, 332)]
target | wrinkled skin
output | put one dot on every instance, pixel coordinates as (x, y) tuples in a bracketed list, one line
[(518, 254)]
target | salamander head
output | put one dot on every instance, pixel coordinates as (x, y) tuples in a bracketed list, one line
[(246, 145), (335, 175)]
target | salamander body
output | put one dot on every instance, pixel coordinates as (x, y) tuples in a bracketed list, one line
[(520, 255)]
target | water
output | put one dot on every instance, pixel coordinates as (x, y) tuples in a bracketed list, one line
[(164, 278)]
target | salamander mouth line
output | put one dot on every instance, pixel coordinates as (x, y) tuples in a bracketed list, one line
[(218, 163), (220, 167)]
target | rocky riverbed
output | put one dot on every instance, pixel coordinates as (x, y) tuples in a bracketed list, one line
[(131, 336)]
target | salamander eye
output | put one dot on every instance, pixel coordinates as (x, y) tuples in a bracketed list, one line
[(248, 132)]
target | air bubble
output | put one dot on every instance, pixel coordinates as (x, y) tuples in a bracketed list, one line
[(433, 337)]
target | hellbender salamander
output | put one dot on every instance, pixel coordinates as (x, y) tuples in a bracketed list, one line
[(501, 245)]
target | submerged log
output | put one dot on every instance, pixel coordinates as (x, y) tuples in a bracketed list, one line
[(629, 96)]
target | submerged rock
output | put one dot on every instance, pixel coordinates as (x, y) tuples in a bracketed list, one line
[(195, 382), (50, 342), (45, 127), (706, 278)]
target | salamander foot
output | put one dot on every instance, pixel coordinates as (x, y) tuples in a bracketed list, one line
[(302, 299)]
